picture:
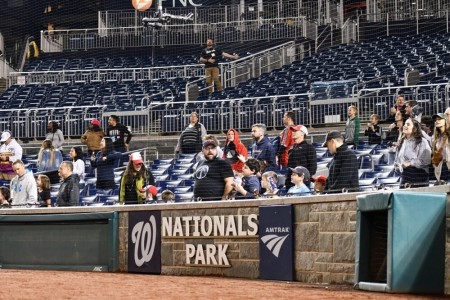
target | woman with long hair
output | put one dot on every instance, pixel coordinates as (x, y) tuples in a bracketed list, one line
[(79, 167), (105, 161), (439, 148), (137, 182), (55, 135), (49, 158), (395, 129), (413, 156)]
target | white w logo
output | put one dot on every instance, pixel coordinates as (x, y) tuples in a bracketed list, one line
[(274, 242), (144, 239)]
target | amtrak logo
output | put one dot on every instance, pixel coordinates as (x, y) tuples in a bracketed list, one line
[(143, 237), (274, 243)]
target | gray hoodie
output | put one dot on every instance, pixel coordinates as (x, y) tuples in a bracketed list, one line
[(24, 190)]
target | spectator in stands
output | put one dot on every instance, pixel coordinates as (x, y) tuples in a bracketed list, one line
[(167, 196), (399, 106), (43, 186), (79, 167), (49, 158), (302, 154), (262, 149), (374, 131), (105, 161), (298, 176), (10, 151), (117, 131), (93, 136), (235, 152), (200, 157), (69, 191), (352, 127), (319, 184), (55, 135), (286, 140), (439, 148), (269, 182), (213, 177), (395, 129), (427, 125), (249, 187), (191, 138), (343, 168), (137, 182), (23, 186), (210, 57), (413, 156), (447, 116), (33, 49), (5, 196), (413, 110)]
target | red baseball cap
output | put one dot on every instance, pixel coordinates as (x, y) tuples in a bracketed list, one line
[(321, 179), (95, 122)]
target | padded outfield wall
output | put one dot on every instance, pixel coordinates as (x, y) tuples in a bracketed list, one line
[(225, 238)]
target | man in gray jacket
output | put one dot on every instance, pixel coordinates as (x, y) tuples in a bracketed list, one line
[(69, 191), (23, 186)]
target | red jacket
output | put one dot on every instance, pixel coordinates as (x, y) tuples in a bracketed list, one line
[(241, 149), (287, 143)]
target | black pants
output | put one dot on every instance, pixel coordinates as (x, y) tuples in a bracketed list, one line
[(414, 177)]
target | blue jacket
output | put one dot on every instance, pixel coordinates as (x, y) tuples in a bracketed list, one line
[(105, 168), (264, 152)]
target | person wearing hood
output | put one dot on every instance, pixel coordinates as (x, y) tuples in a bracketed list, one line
[(69, 190), (235, 152), (262, 149), (23, 186)]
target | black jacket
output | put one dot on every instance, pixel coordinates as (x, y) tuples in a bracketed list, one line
[(304, 155), (343, 171), (69, 192)]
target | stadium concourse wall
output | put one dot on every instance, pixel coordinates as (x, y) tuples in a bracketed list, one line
[(324, 237)]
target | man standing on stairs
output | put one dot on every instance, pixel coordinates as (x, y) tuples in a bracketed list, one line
[(210, 56)]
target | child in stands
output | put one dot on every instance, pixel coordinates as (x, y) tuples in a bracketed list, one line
[(250, 186), (299, 175), (43, 186)]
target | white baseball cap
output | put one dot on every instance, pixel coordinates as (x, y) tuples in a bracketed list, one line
[(5, 135)]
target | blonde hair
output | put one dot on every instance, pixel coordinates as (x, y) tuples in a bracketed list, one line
[(272, 179), (354, 108), (47, 144)]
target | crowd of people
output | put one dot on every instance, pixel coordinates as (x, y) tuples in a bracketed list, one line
[(284, 165), (103, 148)]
